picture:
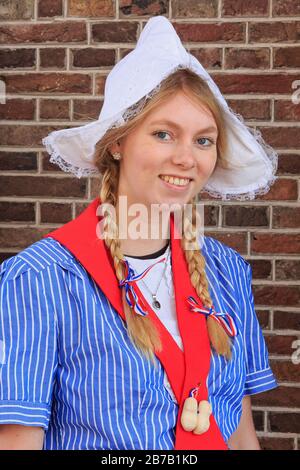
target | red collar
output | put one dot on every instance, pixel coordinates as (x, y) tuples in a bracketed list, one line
[(185, 369)]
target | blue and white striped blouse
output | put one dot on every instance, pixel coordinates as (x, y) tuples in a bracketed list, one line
[(68, 365)]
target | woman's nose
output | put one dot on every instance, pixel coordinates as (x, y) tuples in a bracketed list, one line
[(184, 156)]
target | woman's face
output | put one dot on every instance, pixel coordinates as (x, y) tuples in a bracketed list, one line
[(184, 147)]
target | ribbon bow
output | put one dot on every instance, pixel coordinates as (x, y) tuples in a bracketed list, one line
[(133, 299), (223, 318)]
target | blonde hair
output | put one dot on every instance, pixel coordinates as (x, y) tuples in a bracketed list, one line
[(141, 329)]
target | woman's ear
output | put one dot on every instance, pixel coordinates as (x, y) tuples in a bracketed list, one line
[(114, 148)]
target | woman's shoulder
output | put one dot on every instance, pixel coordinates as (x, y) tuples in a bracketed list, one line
[(213, 248), (45, 254)]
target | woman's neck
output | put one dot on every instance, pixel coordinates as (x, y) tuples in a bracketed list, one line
[(142, 247)]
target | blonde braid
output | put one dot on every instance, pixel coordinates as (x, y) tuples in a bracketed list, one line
[(141, 330), (196, 266)]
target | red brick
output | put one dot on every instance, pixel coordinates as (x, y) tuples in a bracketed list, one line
[(209, 57), (99, 84), (289, 164), (49, 8), (279, 31), (54, 109), (211, 32), (261, 268), (20, 161), (56, 213), (276, 443), (286, 320), (281, 190), (286, 8), (247, 58), (252, 109), (245, 216), (67, 31), (18, 109), (286, 217), (91, 8), (20, 238), (258, 419), (92, 57), (280, 344), (115, 31), (275, 243), (281, 137), (191, 9), (277, 295), (86, 109), (287, 57), (48, 83), (17, 211), (133, 8), (285, 371), (286, 110), (245, 8), (244, 83), (53, 57), (24, 135), (17, 58), (39, 186), (280, 396), (284, 422), (287, 269), (20, 10)]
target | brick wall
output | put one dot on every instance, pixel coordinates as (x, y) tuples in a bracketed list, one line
[(55, 56)]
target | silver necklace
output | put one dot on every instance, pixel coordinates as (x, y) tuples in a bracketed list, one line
[(155, 303)]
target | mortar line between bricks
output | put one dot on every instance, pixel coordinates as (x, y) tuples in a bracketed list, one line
[(54, 122), (219, 9), (65, 8), (217, 228), (265, 416), (35, 11), (190, 45), (87, 96), (275, 408), (192, 21), (286, 435), (117, 11)]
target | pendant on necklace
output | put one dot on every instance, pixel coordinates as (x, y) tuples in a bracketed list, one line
[(155, 303)]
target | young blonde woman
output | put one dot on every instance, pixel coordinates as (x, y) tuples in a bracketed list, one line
[(150, 342)]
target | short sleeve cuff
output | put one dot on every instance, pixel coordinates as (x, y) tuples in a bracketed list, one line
[(25, 413), (260, 381)]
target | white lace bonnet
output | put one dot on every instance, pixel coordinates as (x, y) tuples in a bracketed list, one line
[(159, 52)]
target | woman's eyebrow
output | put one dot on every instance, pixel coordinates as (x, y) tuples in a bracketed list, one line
[(177, 126)]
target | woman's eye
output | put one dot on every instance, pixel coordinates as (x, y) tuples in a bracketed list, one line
[(160, 132), (209, 141), (202, 139)]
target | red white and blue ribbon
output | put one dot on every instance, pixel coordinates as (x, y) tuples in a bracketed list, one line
[(223, 318), (133, 299)]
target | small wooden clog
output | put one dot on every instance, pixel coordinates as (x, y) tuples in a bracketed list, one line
[(204, 412), (189, 416)]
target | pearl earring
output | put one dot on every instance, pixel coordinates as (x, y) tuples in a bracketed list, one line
[(117, 156)]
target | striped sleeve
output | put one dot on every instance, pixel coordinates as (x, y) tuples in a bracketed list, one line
[(28, 355), (259, 375)]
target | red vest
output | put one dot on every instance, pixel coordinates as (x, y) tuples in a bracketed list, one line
[(185, 369)]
